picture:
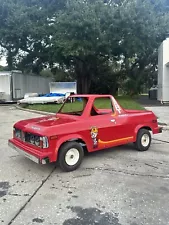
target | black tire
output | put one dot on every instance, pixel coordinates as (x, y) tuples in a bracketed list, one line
[(63, 161), (140, 146)]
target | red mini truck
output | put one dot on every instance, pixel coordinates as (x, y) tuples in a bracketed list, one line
[(92, 122)]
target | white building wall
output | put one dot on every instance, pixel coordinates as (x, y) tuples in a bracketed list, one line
[(163, 71), (160, 72)]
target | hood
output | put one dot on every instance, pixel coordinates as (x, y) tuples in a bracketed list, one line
[(40, 124)]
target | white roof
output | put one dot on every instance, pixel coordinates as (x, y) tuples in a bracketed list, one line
[(4, 73)]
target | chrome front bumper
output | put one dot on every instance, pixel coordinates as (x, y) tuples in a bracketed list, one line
[(22, 152)]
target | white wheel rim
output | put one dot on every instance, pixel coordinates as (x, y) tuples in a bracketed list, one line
[(72, 157), (145, 140)]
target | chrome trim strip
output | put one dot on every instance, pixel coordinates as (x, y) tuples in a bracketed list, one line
[(22, 152)]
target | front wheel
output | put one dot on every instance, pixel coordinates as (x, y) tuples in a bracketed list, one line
[(143, 141), (70, 156)]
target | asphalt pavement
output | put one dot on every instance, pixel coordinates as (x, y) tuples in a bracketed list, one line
[(119, 186)]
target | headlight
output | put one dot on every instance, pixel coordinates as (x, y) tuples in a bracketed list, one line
[(32, 139), (17, 133), (37, 141), (44, 142)]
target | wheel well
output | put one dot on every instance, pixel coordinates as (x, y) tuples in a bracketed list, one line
[(78, 140), (146, 127)]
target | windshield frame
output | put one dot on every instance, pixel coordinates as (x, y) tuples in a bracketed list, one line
[(85, 101)]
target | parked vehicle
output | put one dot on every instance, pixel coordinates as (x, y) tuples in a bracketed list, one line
[(59, 91), (14, 85), (91, 122)]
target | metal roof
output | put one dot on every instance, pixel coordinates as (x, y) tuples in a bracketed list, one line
[(4, 73)]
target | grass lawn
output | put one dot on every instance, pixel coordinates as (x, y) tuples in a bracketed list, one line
[(125, 101)]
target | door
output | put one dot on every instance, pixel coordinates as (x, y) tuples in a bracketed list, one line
[(109, 130)]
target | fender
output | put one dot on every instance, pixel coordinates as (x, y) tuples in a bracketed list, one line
[(139, 127), (68, 138)]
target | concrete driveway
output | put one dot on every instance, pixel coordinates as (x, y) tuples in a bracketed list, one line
[(113, 187), (162, 112)]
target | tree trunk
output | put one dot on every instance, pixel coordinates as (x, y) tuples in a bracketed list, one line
[(114, 88), (83, 78), (79, 85), (9, 60), (83, 84)]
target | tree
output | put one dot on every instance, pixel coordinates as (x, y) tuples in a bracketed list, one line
[(81, 39), (110, 43), (144, 25), (25, 31), (128, 32)]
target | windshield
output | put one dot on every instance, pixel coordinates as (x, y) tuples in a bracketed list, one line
[(74, 106)]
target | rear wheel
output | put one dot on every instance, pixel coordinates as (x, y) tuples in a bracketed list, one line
[(143, 141), (70, 156)]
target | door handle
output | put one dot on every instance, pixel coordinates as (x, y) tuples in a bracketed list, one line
[(113, 121)]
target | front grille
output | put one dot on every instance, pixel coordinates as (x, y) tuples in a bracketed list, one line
[(27, 137), (32, 139)]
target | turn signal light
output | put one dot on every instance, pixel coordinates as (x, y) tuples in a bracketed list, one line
[(53, 137)]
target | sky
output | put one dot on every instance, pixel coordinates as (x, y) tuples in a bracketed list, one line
[(3, 61)]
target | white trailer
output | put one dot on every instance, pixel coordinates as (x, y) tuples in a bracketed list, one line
[(59, 91), (14, 85), (163, 72), (63, 87)]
